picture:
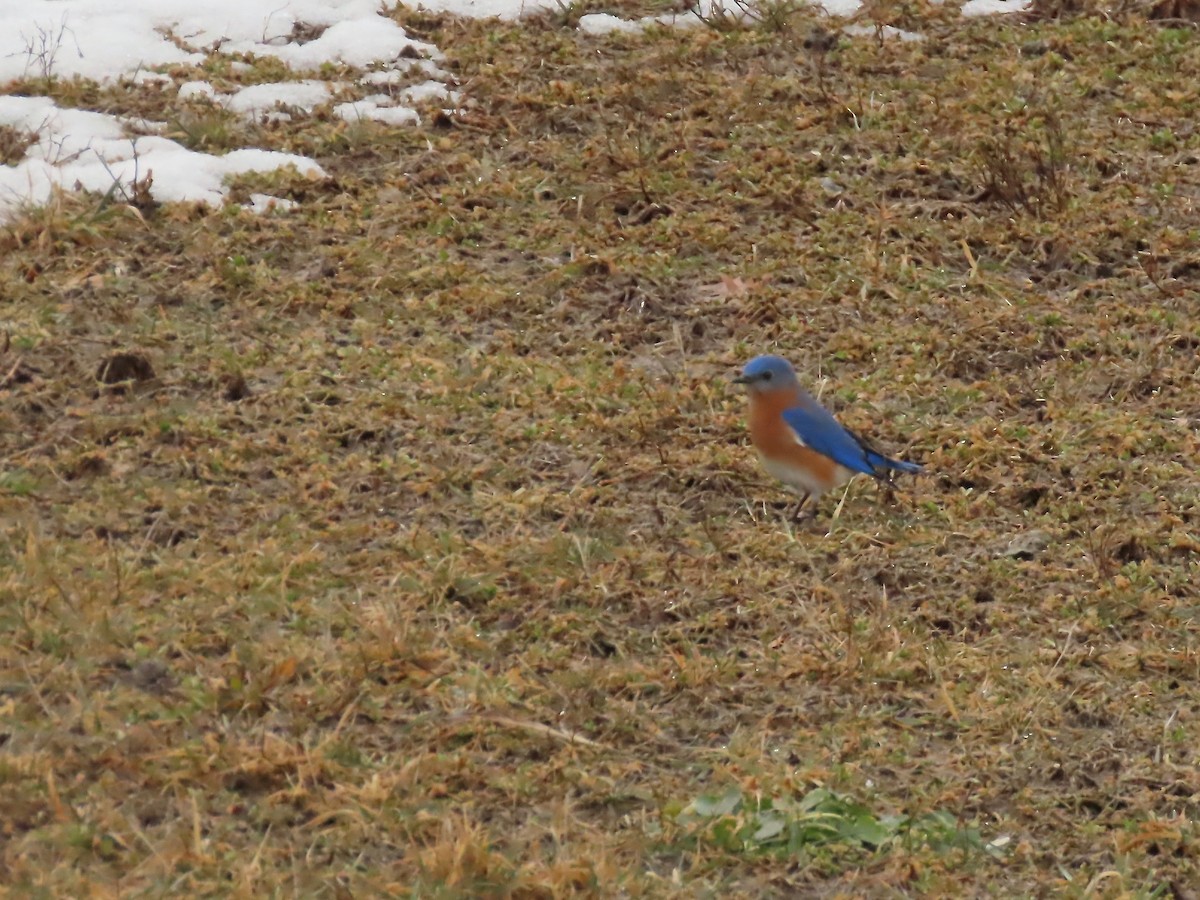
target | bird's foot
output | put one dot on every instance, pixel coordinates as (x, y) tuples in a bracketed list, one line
[(800, 515)]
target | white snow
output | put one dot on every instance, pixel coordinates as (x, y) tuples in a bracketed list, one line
[(191, 90), (104, 38), (90, 150), (603, 23), (429, 90), (993, 7), (359, 42), (164, 41), (398, 76), (486, 9), (842, 7), (379, 109), (887, 31), (302, 95), (107, 41), (261, 203), (93, 38)]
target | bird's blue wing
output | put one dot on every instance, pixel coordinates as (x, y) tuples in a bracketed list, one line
[(821, 432)]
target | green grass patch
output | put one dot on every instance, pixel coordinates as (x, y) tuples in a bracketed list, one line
[(822, 823)]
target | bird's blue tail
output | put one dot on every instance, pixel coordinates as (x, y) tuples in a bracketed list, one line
[(882, 463)]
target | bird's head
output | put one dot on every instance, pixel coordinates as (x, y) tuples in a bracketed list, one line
[(767, 373)]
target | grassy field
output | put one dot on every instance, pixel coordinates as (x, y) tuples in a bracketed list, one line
[(410, 542)]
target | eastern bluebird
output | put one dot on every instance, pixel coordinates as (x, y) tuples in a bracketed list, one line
[(799, 441)]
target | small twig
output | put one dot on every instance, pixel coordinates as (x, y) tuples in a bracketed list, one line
[(1149, 267), (11, 377), (567, 737)]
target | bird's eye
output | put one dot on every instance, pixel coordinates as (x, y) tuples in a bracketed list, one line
[(766, 376)]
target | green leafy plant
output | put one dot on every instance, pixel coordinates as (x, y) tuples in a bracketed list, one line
[(739, 823)]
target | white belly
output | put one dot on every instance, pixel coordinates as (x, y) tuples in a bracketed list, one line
[(802, 480)]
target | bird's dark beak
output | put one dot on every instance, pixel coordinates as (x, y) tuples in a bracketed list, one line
[(741, 379)]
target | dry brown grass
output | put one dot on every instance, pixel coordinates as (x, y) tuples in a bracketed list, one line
[(424, 554)]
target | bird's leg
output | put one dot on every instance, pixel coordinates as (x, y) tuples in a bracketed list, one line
[(888, 485), (800, 506)]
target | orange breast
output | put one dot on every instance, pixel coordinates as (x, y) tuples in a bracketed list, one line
[(774, 440)]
